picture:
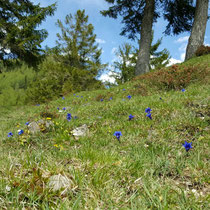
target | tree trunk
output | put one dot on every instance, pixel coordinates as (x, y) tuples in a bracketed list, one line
[(198, 29), (142, 65)]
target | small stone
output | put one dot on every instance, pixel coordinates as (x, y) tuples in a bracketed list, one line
[(34, 127), (80, 131)]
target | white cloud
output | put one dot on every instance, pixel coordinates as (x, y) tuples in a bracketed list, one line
[(173, 61), (182, 56), (206, 44), (107, 77), (182, 39), (100, 41)]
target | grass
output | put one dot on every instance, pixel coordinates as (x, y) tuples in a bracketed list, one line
[(149, 169)]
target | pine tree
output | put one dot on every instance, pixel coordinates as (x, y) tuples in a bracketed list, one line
[(77, 45), (19, 38)]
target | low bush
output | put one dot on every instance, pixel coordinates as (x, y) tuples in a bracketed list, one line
[(176, 77), (202, 50)]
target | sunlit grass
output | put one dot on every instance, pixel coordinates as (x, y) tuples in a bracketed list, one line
[(148, 169)]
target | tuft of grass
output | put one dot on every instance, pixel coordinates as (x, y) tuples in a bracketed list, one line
[(149, 169)]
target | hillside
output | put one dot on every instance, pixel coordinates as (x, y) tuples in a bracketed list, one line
[(148, 168)]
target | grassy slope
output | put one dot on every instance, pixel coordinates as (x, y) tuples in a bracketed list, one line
[(149, 169)]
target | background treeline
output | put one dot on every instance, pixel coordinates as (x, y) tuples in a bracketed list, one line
[(73, 65)]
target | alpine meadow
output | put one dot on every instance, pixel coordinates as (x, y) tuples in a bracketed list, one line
[(71, 140)]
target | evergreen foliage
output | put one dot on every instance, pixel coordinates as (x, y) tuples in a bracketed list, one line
[(13, 85), (77, 45), (73, 65), (19, 38), (127, 54)]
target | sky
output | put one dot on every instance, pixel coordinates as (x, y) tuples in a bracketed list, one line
[(108, 30)]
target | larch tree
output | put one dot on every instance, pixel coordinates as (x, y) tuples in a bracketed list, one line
[(19, 36), (78, 50)]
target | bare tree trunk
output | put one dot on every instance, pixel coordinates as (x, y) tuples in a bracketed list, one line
[(142, 65), (198, 29)]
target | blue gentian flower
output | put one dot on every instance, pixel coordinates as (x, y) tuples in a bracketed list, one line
[(81, 96), (160, 98), (149, 115), (129, 97), (20, 132), (27, 123), (64, 108), (148, 110), (68, 116), (75, 117), (63, 97), (118, 134), (131, 117), (183, 90), (187, 146), (110, 98), (37, 104), (58, 108), (102, 100), (123, 89), (10, 134)]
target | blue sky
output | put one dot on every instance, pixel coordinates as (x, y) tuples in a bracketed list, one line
[(108, 30)]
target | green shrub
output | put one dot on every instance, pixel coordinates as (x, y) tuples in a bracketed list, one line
[(13, 85), (55, 79)]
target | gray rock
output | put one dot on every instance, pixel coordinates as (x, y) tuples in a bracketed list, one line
[(33, 127), (80, 131)]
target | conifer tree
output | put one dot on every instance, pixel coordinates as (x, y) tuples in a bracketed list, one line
[(19, 36), (77, 45)]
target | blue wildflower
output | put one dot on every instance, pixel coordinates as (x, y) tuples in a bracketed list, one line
[(148, 110), (37, 104), (102, 100), (183, 90), (10, 134), (64, 108), (63, 97), (68, 116), (75, 117), (118, 134), (161, 98), (131, 117), (58, 108), (110, 98), (123, 89), (20, 132), (129, 97), (187, 146), (149, 115), (27, 123)]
